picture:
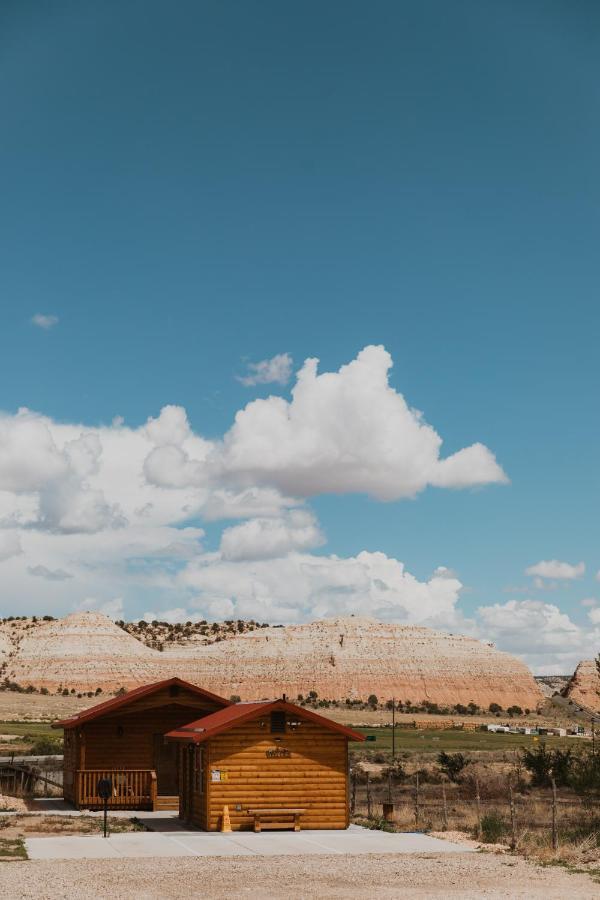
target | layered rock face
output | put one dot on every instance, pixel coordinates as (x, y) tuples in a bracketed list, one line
[(355, 657), (337, 658), (82, 651), (584, 687)]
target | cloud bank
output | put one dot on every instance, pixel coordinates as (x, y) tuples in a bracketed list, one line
[(90, 514)]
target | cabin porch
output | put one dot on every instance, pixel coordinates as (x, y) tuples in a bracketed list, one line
[(131, 789)]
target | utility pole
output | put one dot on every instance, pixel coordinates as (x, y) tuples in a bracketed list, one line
[(393, 729)]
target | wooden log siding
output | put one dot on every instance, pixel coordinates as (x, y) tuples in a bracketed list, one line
[(124, 740), (313, 777)]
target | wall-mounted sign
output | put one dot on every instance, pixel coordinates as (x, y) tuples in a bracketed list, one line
[(278, 753), (215, 774)]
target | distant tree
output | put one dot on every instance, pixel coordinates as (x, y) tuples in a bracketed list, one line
[(372, 701), (312, 695), (495, 708), (452, 764), (460, 709), (473, 708), (235, 698), (585, 775), (546, 764), (514, 711), (142, 624)]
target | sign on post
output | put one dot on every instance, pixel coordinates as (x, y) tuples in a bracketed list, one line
[(104, 789)]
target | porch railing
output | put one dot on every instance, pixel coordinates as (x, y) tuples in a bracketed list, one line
[(131, 788)]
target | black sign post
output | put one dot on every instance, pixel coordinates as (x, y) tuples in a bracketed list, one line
[(104, 789)]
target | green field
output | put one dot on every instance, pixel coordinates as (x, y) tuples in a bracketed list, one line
[(35, 729), (409, 740)]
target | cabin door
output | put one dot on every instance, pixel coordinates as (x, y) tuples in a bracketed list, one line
[(165, 766)]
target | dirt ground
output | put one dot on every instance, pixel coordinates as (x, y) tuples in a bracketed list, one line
[(48, 707), (461, 876), (57, 826), (40, 707)]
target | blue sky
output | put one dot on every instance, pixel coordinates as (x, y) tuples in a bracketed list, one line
[(192, 187)]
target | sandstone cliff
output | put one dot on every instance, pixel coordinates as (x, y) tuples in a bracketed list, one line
[(584, 686), (337, 658)]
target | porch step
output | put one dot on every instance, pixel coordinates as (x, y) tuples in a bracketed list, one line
[(163, 803)]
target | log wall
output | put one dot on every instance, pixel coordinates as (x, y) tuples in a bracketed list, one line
[(124, 739), (313, 777)]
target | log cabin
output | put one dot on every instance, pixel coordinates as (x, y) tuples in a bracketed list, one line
[(123, 739), (259, 765)]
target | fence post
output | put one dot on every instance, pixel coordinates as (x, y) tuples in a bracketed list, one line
[(478, 808), (513, 819), (554, 831), (368, 797), (416, 800), (444, 807)]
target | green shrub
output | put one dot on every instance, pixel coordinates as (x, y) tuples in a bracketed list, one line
[(492, 828), (452, 764), (44, 746), (547, 764)]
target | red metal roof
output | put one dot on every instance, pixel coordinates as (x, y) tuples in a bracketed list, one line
[(213, 724), (109, 706)]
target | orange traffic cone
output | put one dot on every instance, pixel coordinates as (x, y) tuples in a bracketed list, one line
[(225, 821)]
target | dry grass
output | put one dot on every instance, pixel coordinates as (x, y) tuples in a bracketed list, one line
[(577, 822), (20, 826)]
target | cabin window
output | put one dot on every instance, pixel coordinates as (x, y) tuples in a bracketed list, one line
[(277, 722)]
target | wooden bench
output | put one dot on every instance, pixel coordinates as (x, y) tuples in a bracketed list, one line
[(271, 819)]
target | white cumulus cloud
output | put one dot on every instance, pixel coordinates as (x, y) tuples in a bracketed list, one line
[(276, 370), (553, 568), (44, 320), (347, 432), (111, 608), (302, 586), (539, 632), (10, 544), (268, 538)]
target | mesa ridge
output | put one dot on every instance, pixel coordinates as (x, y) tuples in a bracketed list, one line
[(340, 658)]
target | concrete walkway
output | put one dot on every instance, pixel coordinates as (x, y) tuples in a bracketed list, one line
[(354, 841)]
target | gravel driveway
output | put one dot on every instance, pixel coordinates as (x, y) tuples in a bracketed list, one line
[(463, 876)]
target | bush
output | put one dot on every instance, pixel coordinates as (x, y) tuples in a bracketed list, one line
[(585, 774), (492, 828), (396, 771), (44, 746), (546, 764), (452, 764)]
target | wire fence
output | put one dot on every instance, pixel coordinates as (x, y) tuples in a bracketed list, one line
[(488, 813)]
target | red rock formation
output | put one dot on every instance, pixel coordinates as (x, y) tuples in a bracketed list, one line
[(584, 687), (337, 658)]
